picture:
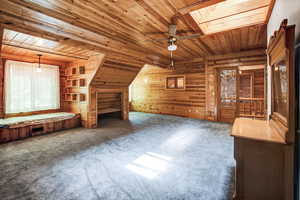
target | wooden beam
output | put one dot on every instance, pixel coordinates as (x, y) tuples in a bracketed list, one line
[(250, 53), (238, 54), (198, 5), (31, 59), (47, 51)]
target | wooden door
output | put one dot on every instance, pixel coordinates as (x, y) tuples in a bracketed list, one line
[(227, 94)]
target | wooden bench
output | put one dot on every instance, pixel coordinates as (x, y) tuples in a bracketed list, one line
[(16, 128)]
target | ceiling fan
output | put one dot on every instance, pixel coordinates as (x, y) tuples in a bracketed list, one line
[(172, 39)]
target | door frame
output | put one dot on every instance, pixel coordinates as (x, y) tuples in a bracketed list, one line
[(218, 99)]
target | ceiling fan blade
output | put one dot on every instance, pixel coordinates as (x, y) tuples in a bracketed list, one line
[(157, 40), (194, 36), (155, 33), (172, 30), (184, 31)]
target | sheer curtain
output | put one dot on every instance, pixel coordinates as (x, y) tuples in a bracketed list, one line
[(28, 90)]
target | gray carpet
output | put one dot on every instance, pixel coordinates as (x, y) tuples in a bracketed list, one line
[(148, 157)]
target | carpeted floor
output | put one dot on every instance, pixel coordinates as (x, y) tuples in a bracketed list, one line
[(151, 156)]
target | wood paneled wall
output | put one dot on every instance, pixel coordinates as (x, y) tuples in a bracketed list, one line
[(198, 100), (149, 93), (109, 102)]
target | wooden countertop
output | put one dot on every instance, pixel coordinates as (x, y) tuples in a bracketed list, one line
[(255, 130)]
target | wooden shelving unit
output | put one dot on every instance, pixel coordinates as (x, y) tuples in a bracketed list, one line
[(75, 80)]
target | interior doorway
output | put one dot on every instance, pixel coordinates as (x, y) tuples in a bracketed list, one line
[(227, 94), (241, 93)]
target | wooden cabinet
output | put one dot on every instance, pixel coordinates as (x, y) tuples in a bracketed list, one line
[(263, 162), (264, 150)]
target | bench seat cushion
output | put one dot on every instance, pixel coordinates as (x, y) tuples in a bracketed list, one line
[(14, 122)]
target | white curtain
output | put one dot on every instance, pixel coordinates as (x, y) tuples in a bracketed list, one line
[(28, 90)]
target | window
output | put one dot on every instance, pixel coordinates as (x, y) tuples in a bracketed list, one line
[(228, 86), (175, 82), (27, 90)]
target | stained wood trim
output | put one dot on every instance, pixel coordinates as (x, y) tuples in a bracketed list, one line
[(281, 47), (97, 70), (271, 6)]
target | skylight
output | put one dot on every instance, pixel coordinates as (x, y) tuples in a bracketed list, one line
[(231, 14)]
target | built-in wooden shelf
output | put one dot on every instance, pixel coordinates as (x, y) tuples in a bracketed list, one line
[(73, 71), (75, 97), (82, 82), (81, 97), (81, 69), (75, 81)]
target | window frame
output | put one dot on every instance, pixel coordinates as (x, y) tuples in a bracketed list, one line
[(176, 78)]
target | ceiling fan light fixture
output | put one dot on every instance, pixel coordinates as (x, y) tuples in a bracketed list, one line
[(172, 47)]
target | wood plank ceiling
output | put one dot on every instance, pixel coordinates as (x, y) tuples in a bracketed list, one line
[(15, 43), (118, 27)]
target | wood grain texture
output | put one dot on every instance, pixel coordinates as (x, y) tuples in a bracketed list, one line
[(198, 100), (121, 27), (260, 169)]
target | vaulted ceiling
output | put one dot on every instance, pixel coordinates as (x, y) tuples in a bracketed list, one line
[(78, 28)]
